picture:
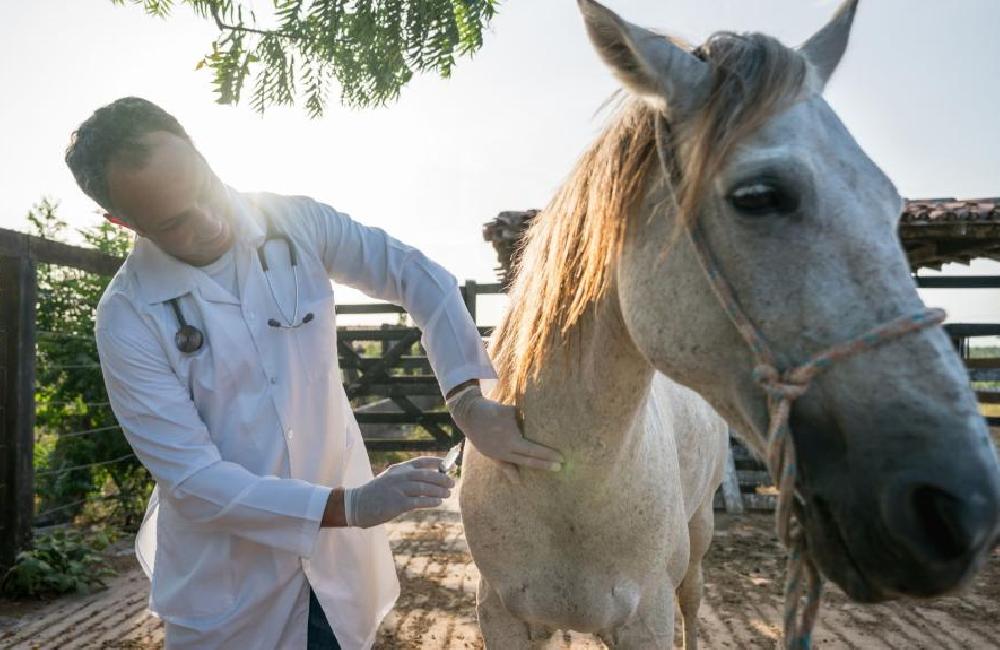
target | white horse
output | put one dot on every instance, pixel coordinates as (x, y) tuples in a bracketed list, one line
[(897, 480)]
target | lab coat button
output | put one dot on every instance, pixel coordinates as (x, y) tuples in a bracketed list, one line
[(291, 434), (274, 380)]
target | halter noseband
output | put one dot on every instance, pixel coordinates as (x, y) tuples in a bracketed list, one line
[(782, 387)]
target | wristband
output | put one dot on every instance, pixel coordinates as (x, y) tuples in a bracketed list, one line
[(458, 388), (455, 401), (350, 501)]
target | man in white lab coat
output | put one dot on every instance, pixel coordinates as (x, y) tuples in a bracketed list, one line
[(218, 346)]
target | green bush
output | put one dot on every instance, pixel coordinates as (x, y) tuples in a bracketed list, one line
[(61, 562), (75, 427)]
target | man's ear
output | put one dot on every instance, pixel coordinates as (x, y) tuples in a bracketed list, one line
[(119, 222)]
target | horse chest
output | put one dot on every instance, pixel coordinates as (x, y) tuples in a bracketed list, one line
[(576, 523)]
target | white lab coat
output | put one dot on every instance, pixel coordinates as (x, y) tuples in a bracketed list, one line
[(246, 437)]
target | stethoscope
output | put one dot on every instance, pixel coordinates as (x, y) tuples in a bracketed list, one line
[(189, 339)]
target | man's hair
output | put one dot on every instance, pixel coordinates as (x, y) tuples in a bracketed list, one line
[(114, 132)]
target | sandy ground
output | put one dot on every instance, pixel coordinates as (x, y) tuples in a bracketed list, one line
[(437, 609)]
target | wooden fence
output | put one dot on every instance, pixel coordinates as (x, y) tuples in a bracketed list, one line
[(20, 255), (981, 370), (394, 393), (387, 376), (398, 375)]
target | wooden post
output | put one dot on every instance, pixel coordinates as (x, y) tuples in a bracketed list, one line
[(18, 298), (731, 484), (469, 295)]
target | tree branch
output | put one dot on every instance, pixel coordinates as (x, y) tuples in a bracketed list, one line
[(223, 26)]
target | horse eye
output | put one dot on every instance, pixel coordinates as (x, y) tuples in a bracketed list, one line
[(757, 199)]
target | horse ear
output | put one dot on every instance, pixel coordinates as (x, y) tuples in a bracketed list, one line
[(826, 47), (646, 63)]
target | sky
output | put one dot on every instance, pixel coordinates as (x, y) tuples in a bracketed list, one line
[(917, 88)]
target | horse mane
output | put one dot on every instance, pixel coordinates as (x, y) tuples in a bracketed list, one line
[(572, 247)]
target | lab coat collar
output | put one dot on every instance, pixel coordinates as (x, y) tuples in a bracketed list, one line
[(162, 277)]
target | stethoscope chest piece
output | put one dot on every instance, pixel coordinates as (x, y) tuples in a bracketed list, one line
[(189, 339)]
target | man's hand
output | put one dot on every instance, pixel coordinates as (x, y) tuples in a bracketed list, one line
[(417, 483), (493, 429)]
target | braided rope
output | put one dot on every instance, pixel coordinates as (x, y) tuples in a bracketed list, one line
[(803, 582)]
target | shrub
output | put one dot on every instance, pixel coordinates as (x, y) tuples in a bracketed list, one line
[(61, 562)]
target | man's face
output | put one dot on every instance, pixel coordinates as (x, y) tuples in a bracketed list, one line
[(174, 200)]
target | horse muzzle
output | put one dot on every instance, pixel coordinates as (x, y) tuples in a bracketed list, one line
[(919, 537)]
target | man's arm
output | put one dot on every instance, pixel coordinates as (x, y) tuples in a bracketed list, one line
[(169, 437), (333, 515), (385, 268)]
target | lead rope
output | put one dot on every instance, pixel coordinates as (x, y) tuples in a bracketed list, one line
[(803, 581)]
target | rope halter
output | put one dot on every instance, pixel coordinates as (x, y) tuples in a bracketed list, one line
[(803, 582)]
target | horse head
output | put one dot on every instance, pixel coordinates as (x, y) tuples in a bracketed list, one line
[(896, 478)]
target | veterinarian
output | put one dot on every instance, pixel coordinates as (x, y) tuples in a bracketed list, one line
[(218, 346)]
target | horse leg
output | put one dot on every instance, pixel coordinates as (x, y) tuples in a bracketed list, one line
[(689, 594), (653, 626), (499, 627)]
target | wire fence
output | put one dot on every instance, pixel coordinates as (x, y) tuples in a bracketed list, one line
[(83, 432), (91, 463), (41, 516), (63, 335), (63, 470), (81, 366), (77, 467)]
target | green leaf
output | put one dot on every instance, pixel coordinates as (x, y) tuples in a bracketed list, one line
[(371, 48)]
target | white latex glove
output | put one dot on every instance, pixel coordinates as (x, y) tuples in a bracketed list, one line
[(417, 483), (493, 428)]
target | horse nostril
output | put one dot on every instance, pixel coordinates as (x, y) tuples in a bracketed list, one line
[(942, 519), (935, 524)]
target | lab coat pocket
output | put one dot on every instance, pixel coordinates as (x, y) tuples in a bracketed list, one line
[(318, 340), (192, 575)]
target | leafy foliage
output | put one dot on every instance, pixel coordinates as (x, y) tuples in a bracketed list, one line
[(61, 562), (371, 47), (83, 465)]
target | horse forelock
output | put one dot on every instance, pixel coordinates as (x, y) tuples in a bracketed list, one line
[(572, 247)]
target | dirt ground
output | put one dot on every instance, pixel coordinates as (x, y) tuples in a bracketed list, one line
[(744, 596), (741, 608), (437, 608)]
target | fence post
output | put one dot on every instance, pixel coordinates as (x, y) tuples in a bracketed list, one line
[(18, 303), (730, 482), (469, 295)]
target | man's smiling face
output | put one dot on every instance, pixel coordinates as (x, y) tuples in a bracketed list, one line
[(173, 198)]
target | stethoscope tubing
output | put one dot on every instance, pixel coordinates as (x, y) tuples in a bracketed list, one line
[(294, 263), (189, 339)]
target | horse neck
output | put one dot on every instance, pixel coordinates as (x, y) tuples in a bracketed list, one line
[(590, 388)]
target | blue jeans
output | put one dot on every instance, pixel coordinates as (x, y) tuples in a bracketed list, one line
[(320, 635)]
